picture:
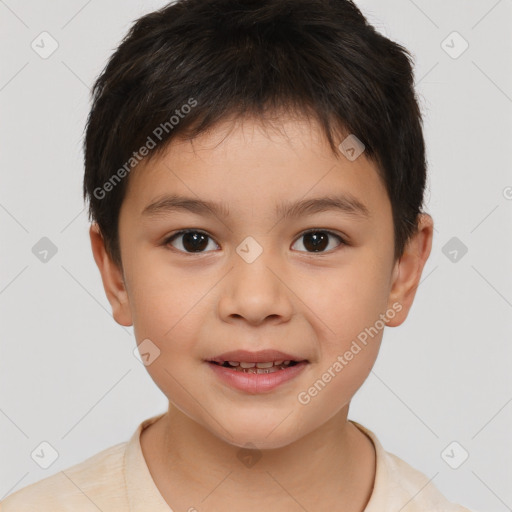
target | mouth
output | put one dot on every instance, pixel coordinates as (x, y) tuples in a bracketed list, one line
[(262, 375), (258, 367), (260, 361), (260, 371)]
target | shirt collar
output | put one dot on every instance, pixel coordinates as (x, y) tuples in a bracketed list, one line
[(141, 491), (379, 498)]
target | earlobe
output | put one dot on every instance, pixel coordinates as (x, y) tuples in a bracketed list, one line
[(407, 271), (112, 278)]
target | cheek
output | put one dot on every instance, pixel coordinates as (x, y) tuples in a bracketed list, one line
[(337, 382), (160, 308), (347, 299), (169, 320), (166, 322)]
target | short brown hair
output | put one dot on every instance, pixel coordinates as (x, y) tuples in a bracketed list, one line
[(193, 63)]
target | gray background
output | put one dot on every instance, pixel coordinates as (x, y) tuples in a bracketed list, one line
[(68, 375)]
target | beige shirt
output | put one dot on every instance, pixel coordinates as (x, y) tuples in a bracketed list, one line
[(118, 479)]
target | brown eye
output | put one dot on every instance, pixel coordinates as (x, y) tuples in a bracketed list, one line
[(191, 241), (318, 240)]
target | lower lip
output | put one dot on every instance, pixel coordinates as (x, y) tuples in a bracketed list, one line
[(256, 382)]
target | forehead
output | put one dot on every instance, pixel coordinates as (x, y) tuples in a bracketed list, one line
[(266, 168)]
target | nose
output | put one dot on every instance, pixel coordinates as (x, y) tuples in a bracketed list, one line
[(255, 292)]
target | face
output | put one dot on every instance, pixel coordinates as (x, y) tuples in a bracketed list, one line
[(293, 253)]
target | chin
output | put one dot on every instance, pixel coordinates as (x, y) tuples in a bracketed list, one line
[(263, 434)]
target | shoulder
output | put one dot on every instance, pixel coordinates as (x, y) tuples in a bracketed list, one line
[(399, 486), (96, 483), (418, 488)]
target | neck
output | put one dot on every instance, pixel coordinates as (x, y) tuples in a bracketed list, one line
[(333, 466)]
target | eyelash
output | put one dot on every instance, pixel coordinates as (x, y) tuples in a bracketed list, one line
[(169, 239)]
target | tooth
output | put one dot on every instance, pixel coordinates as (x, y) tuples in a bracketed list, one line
[(277, 363), (286, 362), (265, 365), (247, 365), (233, 363), (257, 370), (268, 370)]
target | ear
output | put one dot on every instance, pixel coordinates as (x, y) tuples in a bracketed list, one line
[(408, 269), (112, 277)]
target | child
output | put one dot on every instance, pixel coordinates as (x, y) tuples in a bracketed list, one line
[(255, 172)]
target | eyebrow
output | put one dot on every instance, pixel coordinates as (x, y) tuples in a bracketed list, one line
[(346, 203)]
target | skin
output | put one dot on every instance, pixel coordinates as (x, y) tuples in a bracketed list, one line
[(194, 306)]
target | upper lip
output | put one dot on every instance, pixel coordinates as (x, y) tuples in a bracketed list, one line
[(261, 356)]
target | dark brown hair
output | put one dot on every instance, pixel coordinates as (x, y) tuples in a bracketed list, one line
[(193, 63)]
